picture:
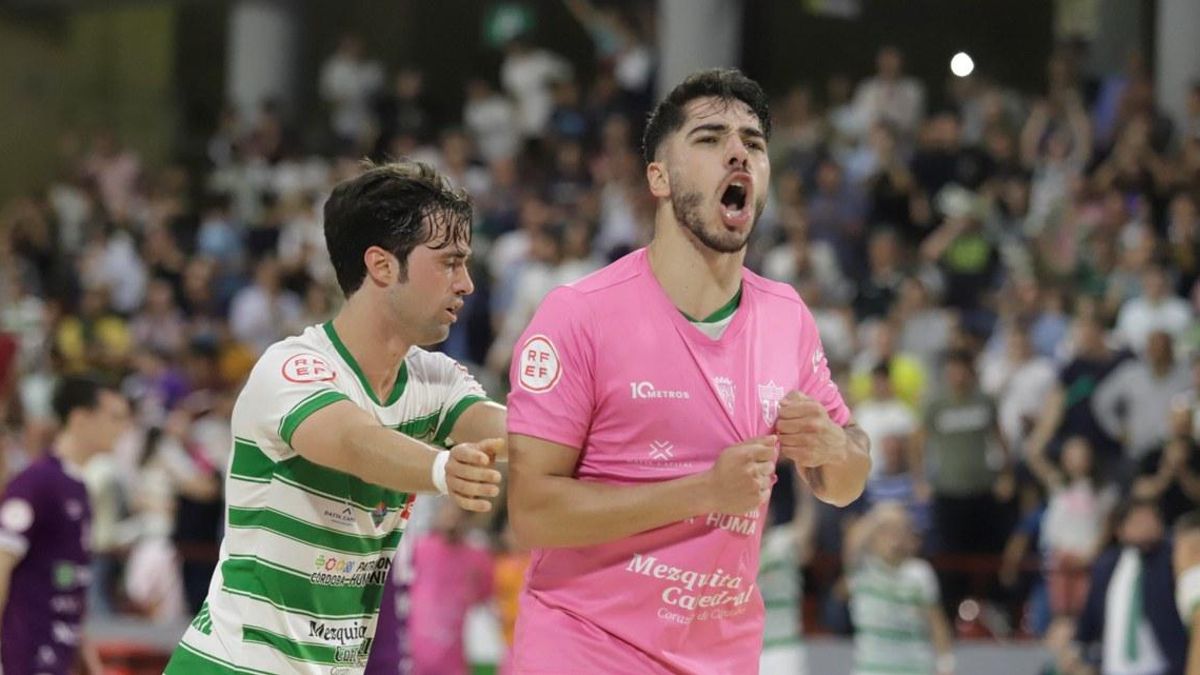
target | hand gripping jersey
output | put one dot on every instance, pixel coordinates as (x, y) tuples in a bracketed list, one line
[(610, 366), (307, 549)]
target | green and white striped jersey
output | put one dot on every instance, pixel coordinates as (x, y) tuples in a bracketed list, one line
[(781, 584), (890, 610), (307, 549)]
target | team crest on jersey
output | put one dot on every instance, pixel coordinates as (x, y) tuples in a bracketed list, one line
[(725, 390), (379, 514), (769, 395), (539, 367), (305, 368)]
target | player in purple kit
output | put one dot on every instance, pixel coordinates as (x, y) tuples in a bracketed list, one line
[(44, 523)]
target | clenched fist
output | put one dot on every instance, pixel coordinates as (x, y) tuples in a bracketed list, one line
[(806, 434), (741, 478), (470, 480)]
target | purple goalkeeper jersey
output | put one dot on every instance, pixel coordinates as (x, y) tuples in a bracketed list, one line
[(44, 519)]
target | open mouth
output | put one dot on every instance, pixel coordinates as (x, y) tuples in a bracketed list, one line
[(735, 199)]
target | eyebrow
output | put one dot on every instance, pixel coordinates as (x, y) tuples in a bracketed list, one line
[(718, 127), (457, 253)]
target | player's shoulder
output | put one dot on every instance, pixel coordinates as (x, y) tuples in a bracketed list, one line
[(919, 569), (772, 291), (611, 278), (425, 364), (308, 357), (38, 476)]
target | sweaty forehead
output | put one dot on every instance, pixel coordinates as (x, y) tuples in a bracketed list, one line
[(710, 109)]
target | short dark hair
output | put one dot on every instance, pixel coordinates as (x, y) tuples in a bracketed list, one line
[(1126, 509), (75, 392), (727, 84), (396, 206), (961, 357)]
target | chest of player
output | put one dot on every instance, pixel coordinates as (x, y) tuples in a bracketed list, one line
[(670, 398)]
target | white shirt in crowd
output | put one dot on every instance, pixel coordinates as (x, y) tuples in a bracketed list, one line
[(527, 77)]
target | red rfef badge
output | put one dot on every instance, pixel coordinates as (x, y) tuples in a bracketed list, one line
[(304, 368), (539, 367)]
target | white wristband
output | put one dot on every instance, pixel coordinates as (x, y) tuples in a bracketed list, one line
[(439, 471)]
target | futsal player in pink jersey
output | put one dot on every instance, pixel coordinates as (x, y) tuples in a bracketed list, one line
[(650, 402)]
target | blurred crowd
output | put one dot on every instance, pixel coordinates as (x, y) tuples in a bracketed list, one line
[(1006, 284)]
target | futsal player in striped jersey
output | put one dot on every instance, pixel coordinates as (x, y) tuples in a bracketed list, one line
[(338, 429)]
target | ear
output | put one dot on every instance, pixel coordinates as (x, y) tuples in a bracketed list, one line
[(659, 179), (383, 269)]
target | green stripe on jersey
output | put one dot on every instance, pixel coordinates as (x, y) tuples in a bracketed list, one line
[(304, 409), (888, 595), (286, 526), (294, 591), (459, 408), (309, 652), (251, 464), (420, 428), (187, 660)]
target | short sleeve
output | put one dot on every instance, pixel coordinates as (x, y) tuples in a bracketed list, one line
[(18, 510), (289, 383), (457, 388), (816, 381), (926, 581), (552, 375)]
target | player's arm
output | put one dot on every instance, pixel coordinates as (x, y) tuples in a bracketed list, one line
[(834, 460), (551, 508), (1048, 422), (943, 644), (344, 437), (481, 421)]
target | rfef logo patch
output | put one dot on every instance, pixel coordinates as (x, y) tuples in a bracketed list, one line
[(539, 367), (305, 368)]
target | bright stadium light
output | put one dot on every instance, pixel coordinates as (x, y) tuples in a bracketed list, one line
[(962, 64)]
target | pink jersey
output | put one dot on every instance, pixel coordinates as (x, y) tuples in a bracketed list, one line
[(610, 366), (449, 578)]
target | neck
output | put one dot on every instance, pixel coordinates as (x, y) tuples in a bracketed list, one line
[(68, 448), (378, 349), (697, 279)]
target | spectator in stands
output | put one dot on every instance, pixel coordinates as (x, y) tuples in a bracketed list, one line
[(1154, 309), (264, 312), (1073, 528), (1135, 401), (1130, 624), (890, 96), (491, 120), (528, 74), (348, 81), (908, 375), (1170, 475), (1020, 381), (1069, 410), (95, 339), (959, 431)]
